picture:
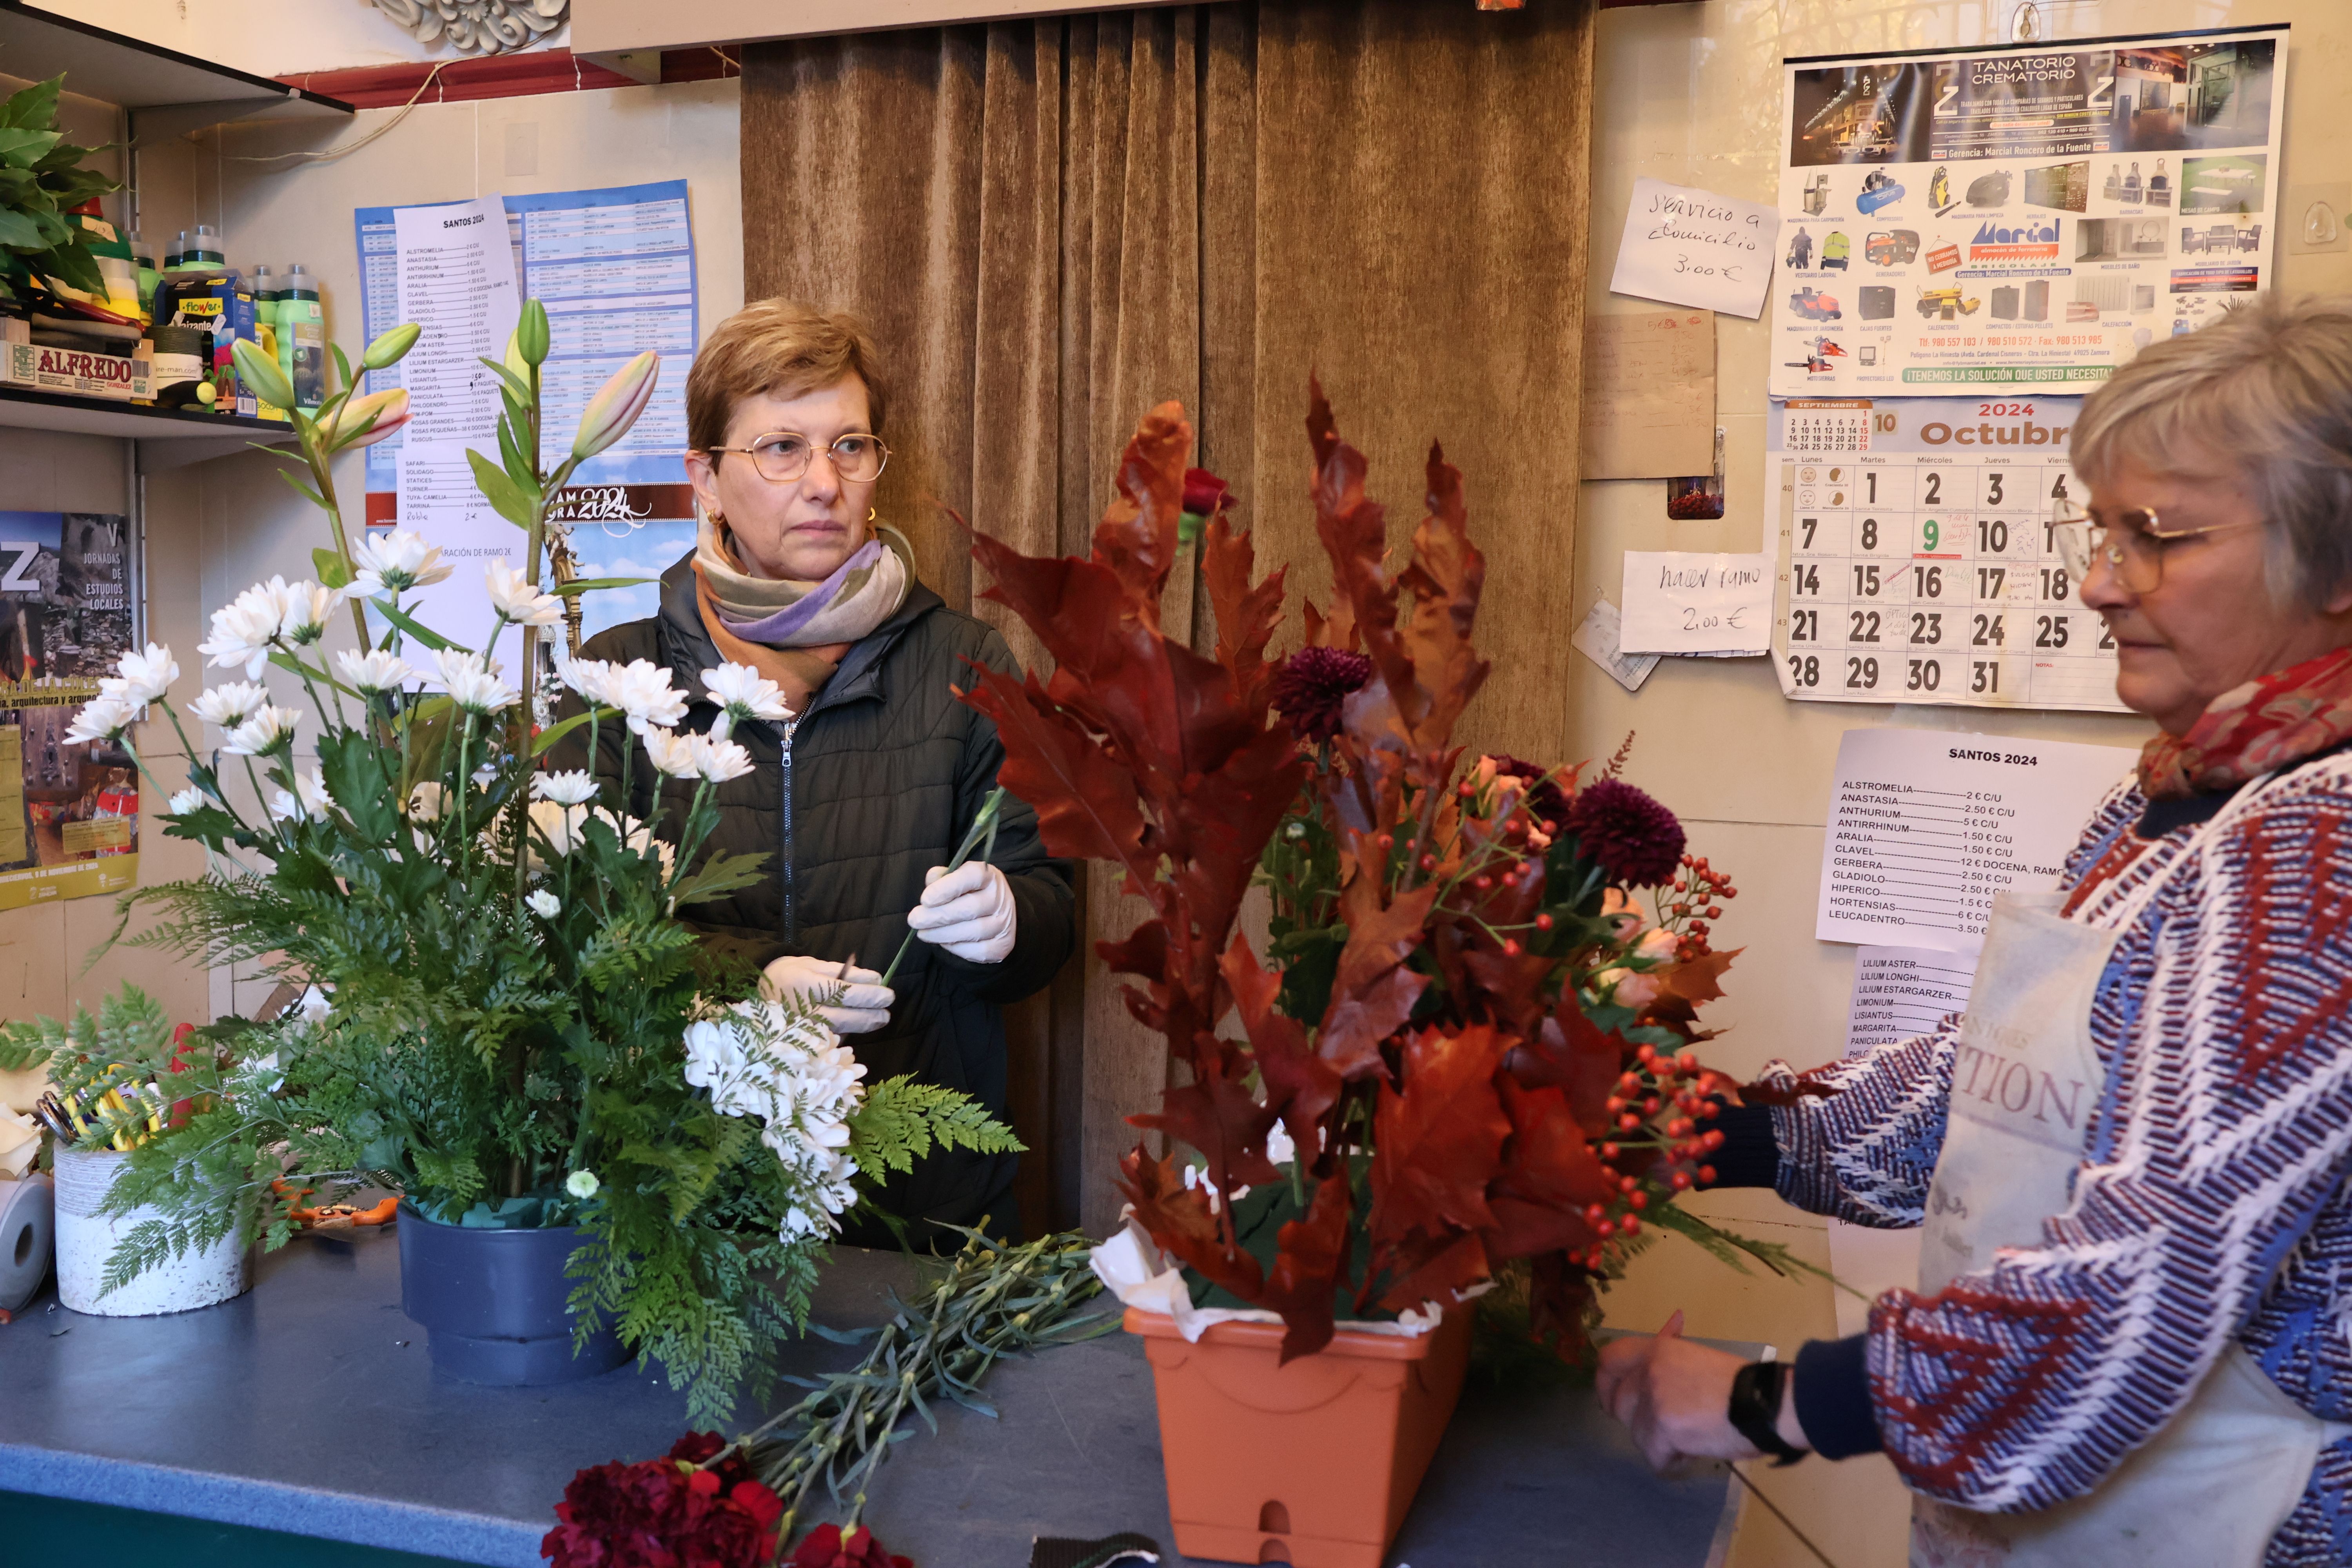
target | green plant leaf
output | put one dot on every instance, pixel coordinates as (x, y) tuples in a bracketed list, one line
[(19, 232), (515, 383), (722, 873), (22, 147), (332, 569), (547, 737), (305, 491), (33, 106), (416, 629), (589, 584), (506, 498)]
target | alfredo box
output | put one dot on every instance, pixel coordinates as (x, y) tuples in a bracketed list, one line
[(119, 370)]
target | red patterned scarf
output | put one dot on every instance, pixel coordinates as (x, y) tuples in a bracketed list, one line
[(2268, 723)]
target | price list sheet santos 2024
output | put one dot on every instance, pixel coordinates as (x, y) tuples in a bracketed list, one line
[(1926, 826), (1917, 558)]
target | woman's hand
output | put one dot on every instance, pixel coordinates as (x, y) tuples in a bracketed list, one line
[(1675, 1396), (969, 912), (862, 1006)]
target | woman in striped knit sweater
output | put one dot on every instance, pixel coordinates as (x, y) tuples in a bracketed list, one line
[(2130, 1342)]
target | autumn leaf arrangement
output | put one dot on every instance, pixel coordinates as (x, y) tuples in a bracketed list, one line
[(1468, 1050)]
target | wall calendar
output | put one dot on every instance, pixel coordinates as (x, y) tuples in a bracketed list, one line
[(1915, 557)]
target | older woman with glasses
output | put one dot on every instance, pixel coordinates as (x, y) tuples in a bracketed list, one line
[(860, 795), (2129, 1342)]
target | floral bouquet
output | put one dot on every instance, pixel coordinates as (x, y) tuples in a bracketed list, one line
[(507, 1022), (1469, 1055)]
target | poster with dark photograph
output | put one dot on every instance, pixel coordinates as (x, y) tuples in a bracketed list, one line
[(2011, 220), (68, 813)]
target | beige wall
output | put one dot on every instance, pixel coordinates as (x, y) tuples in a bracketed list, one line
[(1690, 94)]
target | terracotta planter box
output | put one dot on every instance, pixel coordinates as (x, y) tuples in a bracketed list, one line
[(1312, 1463)]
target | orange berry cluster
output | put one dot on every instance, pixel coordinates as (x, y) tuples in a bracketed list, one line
[(1698, 896), (1657, 1084)]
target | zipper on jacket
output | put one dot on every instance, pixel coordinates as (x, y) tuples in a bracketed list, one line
[(784, 827)]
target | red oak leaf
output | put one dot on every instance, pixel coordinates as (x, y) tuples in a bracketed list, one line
[(1570, 1053), (1222, 1119), (1549, 1173), (1439, 1137), (1310, 1258), (1428, 1268), (1179, 1220), (1371, 996), (1299, 1084), (1085, 800), (1246, 615)]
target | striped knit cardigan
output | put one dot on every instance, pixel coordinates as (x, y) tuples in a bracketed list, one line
[(2210, 1203)]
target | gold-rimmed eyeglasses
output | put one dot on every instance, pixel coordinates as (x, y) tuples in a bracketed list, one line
[(2133, 545), (783, 456)]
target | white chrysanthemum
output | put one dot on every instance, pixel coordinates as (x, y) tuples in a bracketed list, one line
[(574, 788), (393, 562), (268, 727), (742, 692), (102, 717), (671, 752), (244, 628), (792, 1072), (641, 689), (590, 678), (313, 1007), (308, 605), (183, 802), (544, 904), (145, 677), (425, 802), (382, 670), (718, 759), (472, 681), (559, 824), (231, 705), (307, 802), (582, 1185), (517, 601)]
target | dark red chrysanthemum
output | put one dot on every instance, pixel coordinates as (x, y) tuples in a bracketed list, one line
[(1312, 683), (651, 1515), (1545, 801), (1632, 836), (827, 1546)]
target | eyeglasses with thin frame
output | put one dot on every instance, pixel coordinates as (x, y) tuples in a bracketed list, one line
[(781, 457), (2133, 545)]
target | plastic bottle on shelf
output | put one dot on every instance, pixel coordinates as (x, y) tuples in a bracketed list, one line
[(268, 292), (203, 291), (143, 256), (302, 338)]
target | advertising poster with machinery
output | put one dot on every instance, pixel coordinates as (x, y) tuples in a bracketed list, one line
[(2020, 219), (69, 609)]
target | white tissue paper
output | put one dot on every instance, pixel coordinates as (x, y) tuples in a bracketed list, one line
[(1132, 1267), (20, 1139)]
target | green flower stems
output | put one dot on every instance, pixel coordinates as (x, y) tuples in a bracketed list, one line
[(983, 826)]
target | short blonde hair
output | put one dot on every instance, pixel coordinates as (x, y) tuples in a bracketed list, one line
[(784, 347), (2267, 388)]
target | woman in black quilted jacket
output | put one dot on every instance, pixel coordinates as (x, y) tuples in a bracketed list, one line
[(860, 795)]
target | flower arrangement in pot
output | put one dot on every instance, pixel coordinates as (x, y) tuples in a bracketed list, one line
[(1464, 1054), (509, 1025)]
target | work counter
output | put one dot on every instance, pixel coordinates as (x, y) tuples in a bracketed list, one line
[(308, 1406)]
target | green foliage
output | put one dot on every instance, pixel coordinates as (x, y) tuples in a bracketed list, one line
[(41, 181), (900, 1120)]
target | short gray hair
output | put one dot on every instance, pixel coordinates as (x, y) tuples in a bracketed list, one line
[(2268, 387)]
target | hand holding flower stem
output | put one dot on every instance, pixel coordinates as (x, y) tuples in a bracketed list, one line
[(983, 825)]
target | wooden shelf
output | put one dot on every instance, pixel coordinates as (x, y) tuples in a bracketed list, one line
[(167, 437), (114, 68)]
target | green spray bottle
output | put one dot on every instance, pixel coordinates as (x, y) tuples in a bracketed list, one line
[(302, 337)]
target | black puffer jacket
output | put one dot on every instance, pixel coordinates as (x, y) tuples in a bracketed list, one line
[(877, 784)]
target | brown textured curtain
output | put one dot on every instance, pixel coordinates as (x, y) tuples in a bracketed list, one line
[(1056, 224)]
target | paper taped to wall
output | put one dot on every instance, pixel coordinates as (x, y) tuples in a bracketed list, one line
[(1689, 247), (1596, 638), (1901, 992), (1926, 826), (1648, 395), (1678, 601)]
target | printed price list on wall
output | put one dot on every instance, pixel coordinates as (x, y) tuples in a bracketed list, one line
[(1926, 826), (1917, 560)]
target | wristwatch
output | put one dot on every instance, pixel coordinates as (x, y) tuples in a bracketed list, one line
[(1756, 1392)]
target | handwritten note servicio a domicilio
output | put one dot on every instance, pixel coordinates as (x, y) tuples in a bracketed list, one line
[(1689, 247)]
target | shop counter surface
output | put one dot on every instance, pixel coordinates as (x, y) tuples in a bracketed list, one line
[(309, 1405)]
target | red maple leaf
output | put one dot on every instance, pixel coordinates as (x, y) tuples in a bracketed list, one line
[(1438, 1136)]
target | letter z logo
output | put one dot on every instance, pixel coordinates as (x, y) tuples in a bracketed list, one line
[(15, 581)]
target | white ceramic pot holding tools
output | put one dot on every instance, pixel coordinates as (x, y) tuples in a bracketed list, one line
[(85, 1240)]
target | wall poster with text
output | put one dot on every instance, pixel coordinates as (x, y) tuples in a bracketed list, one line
[(69, 609), (2023, 218)]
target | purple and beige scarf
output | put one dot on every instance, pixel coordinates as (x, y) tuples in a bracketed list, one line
[(795, 633)]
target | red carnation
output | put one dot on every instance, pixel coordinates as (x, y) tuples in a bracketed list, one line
[(1627, 832), (661, 1513), (828, 1546), (1312, 683)]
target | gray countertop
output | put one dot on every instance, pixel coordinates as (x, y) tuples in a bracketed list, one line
[(309, 1405)]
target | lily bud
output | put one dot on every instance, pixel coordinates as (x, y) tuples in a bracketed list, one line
[(390, 408), (260, 371), (530, 333), (390, 348), (616, 405)]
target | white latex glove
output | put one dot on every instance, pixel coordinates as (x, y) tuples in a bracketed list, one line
[(968, 910), (863, 1006)]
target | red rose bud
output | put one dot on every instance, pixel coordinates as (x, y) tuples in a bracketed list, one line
[(1203, 491)]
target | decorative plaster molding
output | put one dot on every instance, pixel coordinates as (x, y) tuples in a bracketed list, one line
[(478, 27)]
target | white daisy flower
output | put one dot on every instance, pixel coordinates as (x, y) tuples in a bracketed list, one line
[(573, 788), (590, 678), (718, 759), (308, 605), (244, 629), (582, 1185), (393, 563), (641, 689), (308, 804), (268, 727), (742, 692), (472, 681), (519, 601), (380, 670), (102, 717), (231, 705), (145, 677), (185, 802), (544, 904), (672, 753)]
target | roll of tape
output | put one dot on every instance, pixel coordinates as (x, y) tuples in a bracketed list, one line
[(27, 1230)]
